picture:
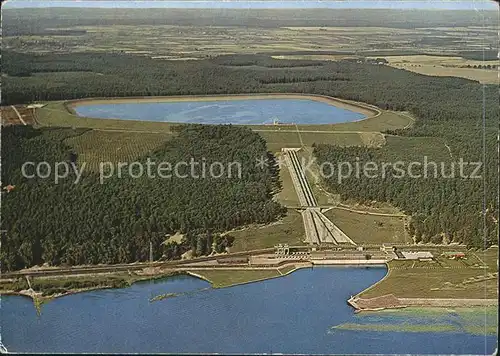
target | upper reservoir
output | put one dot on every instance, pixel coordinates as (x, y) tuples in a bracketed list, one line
[(235, 111), (292, 314)]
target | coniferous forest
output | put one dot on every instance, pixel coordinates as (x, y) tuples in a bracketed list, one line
[(114, 222)]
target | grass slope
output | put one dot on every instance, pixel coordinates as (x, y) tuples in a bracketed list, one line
[(369, 229), (289, 230), (226, 278)]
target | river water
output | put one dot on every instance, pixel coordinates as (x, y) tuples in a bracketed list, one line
[(292, 314), (248, 112)]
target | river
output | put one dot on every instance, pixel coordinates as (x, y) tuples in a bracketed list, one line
[(292, 314)]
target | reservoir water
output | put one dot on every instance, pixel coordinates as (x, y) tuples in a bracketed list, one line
[(292, 314), (248, 112)]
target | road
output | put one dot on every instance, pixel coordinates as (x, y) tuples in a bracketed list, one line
[(18, 114)]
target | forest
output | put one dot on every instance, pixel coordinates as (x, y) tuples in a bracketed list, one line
[(115, 222), (462, 112)]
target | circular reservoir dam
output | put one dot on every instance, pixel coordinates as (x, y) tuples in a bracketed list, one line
[(248, 110)]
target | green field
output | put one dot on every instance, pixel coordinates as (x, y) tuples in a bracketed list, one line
[(287, 196), (276, 140), (289, 230), (226, 278), (287, 269), (338, 139), (369, 229)]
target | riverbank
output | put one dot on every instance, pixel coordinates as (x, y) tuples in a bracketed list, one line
[(368, 110)]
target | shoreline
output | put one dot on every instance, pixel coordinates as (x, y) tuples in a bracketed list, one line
[(359, 304), (160, 275), (39, 298), (362, 108)]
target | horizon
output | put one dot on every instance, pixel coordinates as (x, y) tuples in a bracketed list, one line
[(477, 5)]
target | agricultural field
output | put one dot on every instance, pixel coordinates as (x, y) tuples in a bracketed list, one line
[(9, 116), (338, 34), (94, 146), (447, 66), (428, 64), (369, 229)]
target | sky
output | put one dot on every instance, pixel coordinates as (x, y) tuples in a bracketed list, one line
[(260, 4)]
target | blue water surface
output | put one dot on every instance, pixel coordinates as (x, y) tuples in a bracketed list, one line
[(248, 112), (292, 314)]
